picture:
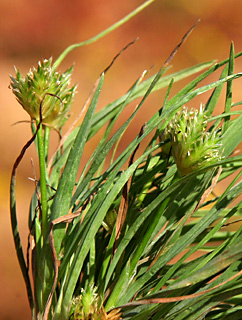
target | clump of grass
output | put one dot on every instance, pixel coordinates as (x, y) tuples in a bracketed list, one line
[(104, 242)]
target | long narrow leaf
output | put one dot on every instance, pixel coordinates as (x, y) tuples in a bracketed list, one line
[(62, 200)]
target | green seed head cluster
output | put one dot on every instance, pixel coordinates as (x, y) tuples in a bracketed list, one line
[(192, 147), (45, 86), (86, 306), (86, 303)]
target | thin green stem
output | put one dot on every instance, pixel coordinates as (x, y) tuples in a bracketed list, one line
[(43, 189), (46, 142), (103, 33)]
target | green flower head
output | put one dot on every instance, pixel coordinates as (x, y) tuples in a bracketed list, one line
[(45, 86), (88, 306), (192, 147)]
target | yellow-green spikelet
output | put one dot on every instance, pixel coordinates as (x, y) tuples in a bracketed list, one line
[(87, 306), (192, 147), (47, 87)]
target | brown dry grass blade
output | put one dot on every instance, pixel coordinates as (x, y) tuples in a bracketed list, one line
[(209, 190), (13, 213), (120, 52), (180, 298), (187, 34)]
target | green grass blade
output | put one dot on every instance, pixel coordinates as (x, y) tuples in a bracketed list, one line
[(186, 94), (222, 261), (17, 242), (103, 33), (232, 137), (212, 101), (103, 149), (111, 109), (114, 138), (134, 259), (62, 199), (228, 101)]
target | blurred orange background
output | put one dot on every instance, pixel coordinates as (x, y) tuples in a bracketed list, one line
[(33, 30)]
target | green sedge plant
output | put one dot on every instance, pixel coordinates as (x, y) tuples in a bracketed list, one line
[(120, 241)]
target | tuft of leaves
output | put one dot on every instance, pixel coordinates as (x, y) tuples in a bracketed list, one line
[(119, 239)]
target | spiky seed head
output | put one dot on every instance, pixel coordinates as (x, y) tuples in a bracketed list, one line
[(87, 306), (47, 87), (192, 147)]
